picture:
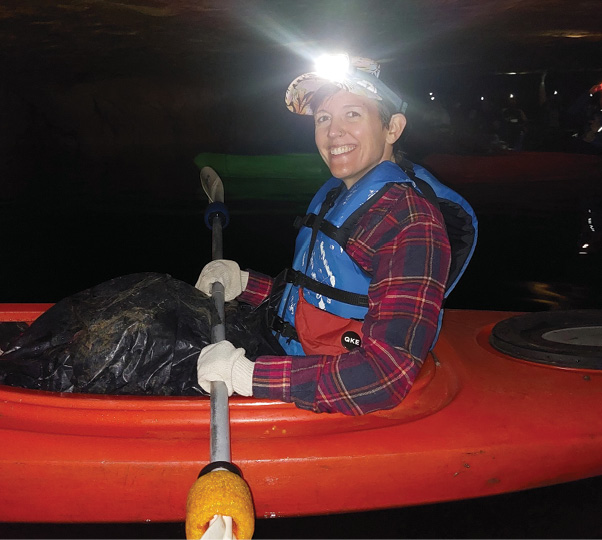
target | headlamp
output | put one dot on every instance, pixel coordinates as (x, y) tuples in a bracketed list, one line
[(334, 67), (355, 74)]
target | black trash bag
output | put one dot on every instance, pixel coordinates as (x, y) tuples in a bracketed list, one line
[(139, 334), (9, 331)]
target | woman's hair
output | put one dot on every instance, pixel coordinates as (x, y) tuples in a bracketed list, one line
[(329, 90)]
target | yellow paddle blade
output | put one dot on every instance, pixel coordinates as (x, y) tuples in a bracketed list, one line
[(221, 493)]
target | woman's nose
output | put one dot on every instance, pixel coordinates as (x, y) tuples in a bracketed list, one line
[(336, 130)]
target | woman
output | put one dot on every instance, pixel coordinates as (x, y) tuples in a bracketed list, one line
[(361, 307)]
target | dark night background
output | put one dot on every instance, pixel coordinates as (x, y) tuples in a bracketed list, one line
[(104, 106)]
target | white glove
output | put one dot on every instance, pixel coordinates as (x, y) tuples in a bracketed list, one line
[(223, 362), (226, 272), (220, 528)]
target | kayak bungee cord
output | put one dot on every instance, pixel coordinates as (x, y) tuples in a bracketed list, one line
[(219, 504)]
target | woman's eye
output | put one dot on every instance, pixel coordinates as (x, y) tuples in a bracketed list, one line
[(353, 114), (321, 119)]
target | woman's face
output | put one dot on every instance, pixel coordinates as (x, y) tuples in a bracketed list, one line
[(350, 135)]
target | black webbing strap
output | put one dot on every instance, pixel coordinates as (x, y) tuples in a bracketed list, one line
[(340, 234), (299, 279), (286, 329), (277, 324), (316, 223), (309, 220), (425, 188), (328, 203)]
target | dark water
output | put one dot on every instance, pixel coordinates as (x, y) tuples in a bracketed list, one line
[(527, 259)]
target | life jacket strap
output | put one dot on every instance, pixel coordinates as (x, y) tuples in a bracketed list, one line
[(301, 280), (425, 188), (339, 234), (285, 329), (273, 321)]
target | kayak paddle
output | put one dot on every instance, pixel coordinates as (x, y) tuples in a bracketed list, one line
[(219, 504)]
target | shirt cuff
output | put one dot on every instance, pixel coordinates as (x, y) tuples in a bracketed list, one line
[(272, 377), (242, 377), (258, 289)]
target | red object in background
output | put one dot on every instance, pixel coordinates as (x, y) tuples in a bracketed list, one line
[(596, 88), (514, 168)]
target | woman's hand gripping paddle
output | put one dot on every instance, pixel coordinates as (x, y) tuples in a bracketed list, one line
[(219, 503)]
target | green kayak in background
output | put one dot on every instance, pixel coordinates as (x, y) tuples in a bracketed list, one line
[(285, 183)]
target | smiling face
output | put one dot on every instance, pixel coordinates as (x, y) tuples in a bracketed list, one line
[(351, 137)]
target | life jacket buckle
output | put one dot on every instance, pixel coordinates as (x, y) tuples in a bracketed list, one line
[(286, 330)]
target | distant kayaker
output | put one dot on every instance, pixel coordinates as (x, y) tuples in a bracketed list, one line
[(356, 316)]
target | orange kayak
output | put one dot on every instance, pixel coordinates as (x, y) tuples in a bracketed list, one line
[(478, 422)]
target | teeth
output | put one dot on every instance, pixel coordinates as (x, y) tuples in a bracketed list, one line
[(341, 150)]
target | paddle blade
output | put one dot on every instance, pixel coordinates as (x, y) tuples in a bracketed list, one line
[(219, 493), (212, 185)]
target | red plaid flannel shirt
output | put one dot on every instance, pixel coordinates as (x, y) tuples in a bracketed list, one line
[(402, 243)]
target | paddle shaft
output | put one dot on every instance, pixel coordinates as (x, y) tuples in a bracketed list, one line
[(220, 417)]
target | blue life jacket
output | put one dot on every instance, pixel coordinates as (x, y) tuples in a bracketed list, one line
[(330, 279)]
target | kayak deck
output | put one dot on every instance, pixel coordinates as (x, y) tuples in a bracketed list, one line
[(476, 423)]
